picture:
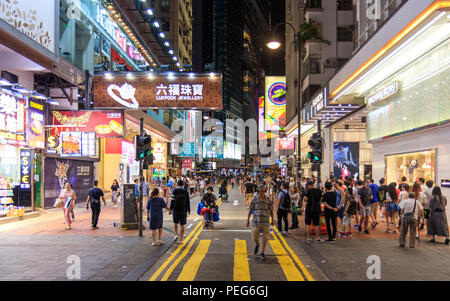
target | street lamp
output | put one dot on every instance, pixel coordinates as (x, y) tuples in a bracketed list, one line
[(275, 44)]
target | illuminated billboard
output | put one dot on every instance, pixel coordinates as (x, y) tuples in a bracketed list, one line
[(171, 90), (275, 103)]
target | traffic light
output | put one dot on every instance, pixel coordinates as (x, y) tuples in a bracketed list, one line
[(315, 155), (142, 144)]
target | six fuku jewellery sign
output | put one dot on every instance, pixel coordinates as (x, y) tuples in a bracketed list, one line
[(144, 90)]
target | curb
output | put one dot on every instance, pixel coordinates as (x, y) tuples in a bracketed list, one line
[(11, 219)]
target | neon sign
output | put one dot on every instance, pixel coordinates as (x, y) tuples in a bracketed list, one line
[(25, 168)]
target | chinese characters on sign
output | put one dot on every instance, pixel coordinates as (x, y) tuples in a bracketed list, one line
[(25, 168), (12, 119), (179, 92), (158, 90), (83, 170)]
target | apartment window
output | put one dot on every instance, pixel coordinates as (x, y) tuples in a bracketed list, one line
[(165, 3), (313, 3), (345, 4), (315, 62), (166, 26), (344, 34)]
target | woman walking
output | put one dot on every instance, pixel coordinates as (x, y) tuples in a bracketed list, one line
[(68, 198), (295, 196), (438, 219), (154, 208), (115, 193), (391, 207)]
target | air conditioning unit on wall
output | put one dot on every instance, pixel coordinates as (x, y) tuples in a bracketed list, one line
[(331, 63)]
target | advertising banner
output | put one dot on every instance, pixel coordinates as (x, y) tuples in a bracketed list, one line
[(25, 168), (12, 119), (105, 124), (35, 125), (59, 171), (275, 103), (346, 159), (159, 90), (212, 147), (286, 143)]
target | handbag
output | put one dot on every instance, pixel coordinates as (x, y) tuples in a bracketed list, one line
[(294, 209), (58, 203), (409, 217)]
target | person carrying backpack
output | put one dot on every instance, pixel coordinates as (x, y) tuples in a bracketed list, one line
[(180, 205), (350, 210), (284, 206), (365, 197)]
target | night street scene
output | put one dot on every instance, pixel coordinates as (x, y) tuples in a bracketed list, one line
[(221, 149)]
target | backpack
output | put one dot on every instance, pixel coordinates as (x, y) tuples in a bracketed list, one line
[(180, 200), (381, 195), (286, 204), (352, 208)]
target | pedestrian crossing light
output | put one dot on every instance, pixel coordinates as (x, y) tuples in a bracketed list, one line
[(315, 155), (142, 145)]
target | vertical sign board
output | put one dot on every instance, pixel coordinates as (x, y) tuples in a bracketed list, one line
[(275, 103), (26, 160)]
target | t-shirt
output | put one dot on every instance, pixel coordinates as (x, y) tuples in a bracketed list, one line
[(115, 187), (281, 197), (408, 206), (261, 210), (374, 188), (144, 189), (250, 188), (365, 199), (181, 207), (330, 198), (314, 195), (95, 194), (155, 206)]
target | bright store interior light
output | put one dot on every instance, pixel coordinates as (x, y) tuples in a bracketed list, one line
[(171, 51), (162, 35), (149, 11), (166, 44), (156, 24), (174, 58)]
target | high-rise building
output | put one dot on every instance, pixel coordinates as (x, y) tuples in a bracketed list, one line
[(229, 37)]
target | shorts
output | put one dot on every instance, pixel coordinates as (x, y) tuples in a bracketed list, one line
[(347, 221), (374, 207), (390, 207), (313, 217), (256, 230), (248, 198), (341, 212), (179, 218), (365, 211)]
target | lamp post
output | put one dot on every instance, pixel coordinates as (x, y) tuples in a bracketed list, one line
[(275, 44)]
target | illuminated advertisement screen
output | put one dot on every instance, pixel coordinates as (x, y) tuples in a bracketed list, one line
[(12, 118), (159, 153), (346, 159), (78, 144), (71, 144), (35, 125), (261, 118), (212, 147), (275, 103), (106, 124), (171, 90)]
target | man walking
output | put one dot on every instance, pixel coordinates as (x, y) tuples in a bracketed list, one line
[(262, 208), (180, 205), (249, 191), (93, 199), (410, 210), (365, 197), (284, 205)]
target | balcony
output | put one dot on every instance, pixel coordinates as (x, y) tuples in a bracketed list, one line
[(313, 5), (313, 47)]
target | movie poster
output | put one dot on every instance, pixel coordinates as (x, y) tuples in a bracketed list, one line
[(60, 171), (346, 160)]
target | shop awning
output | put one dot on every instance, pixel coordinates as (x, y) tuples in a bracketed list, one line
[(425, 31), (150, 124)]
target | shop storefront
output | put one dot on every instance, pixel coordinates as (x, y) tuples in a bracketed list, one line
[(21, 137), (404, 82)]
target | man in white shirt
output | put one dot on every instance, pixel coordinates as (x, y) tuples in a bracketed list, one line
[(410, 210)]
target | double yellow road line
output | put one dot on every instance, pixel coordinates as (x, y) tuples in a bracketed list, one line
[(188, 242)]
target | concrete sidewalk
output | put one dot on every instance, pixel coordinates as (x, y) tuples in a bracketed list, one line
[(38, 248)]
